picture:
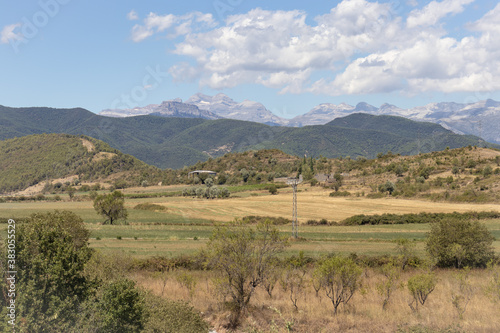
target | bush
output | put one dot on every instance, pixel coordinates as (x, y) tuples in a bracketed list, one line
[(340, 194), (340, 277), (416, 218), (273, 189), (252, 219), (150, 206), (420, 287), (460, 243), (172, 316), (117, 307)]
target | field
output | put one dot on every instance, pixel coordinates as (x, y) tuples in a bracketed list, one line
[(187, 223)]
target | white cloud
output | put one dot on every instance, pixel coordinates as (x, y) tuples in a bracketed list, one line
[(181, 25), (132, 15), (434, 11), (183, 72), (359, 47), (8, 33)]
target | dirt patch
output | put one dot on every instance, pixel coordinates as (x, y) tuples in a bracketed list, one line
[(87, 144), (35, 189)]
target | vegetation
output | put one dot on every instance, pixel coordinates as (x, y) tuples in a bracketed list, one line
[(111, 206), (420, 287), (460, 244), (34, 159), (417, 218), (150, 206), (52, 251), (340, 278), (172, 316), (242, 256)]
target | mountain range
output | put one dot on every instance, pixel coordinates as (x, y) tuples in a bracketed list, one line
[(481, 118), (174, 142)]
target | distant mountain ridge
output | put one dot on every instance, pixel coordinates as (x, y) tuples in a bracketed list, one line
[(173, 108), (481, 118), (173, 142)]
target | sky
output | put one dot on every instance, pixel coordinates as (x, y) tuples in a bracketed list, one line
[(289, 55)]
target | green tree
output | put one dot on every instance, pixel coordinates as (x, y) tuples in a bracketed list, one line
[(338, 180), (242, 257), (273, 189), (340, 277), (111, 206), (460, 243), (388, 186), (71, 192), (52, 251)]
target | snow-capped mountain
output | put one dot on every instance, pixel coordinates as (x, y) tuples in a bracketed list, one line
[(481, 118), (226, 107), (172, 108), (321, 114)]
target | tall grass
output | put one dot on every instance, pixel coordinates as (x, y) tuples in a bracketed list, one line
[(364, 313)]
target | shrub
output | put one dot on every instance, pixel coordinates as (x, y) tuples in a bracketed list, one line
[(340, 194), (117, 307), (340, 277), (150, 206), (171, 316), (251, 219), (420, 287), (272, 189)]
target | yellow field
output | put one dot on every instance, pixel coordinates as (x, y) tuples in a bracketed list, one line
[(313, 203)]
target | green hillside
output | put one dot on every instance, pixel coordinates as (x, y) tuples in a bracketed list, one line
[(30, 160), (178, 142)]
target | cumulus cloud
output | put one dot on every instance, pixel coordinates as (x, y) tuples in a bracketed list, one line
[(8, 33), (358, 47)]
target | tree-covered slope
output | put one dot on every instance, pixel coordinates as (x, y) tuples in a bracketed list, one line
[(29, 160)]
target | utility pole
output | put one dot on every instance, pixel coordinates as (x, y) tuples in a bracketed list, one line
[(295, 224)]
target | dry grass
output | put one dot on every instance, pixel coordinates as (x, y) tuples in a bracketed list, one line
[(314, 203), (364, 313)]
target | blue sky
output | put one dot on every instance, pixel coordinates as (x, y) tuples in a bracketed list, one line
[(289, 55)]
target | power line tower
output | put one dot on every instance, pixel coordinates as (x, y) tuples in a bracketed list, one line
[(295, 224)]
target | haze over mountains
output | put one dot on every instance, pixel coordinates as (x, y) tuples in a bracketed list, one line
[(481, 118)]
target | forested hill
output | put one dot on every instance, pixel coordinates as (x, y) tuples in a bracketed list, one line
[(178, 142), (33, 159)]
